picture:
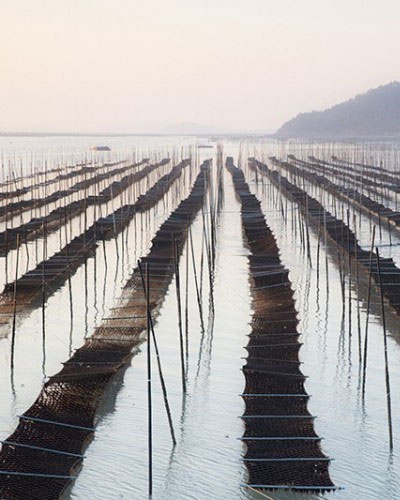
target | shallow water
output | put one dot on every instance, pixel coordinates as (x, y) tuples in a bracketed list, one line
[(355, 436), (206, 463)]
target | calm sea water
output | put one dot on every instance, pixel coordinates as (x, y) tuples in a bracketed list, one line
[(207, 461)]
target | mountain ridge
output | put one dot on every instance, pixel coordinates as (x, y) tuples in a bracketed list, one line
[(374, 113), (189, 128)]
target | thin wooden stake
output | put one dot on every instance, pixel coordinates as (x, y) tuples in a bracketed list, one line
[(387, 379), (198, 290), (364, 373), (15, 306), (357, 293), (187, 298), (179, 306), (44, 297), (158, 357), (149, 398)]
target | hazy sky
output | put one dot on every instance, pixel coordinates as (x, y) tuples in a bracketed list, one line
[(130, 65)]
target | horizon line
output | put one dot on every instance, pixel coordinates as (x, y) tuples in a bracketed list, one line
[(130, 134)]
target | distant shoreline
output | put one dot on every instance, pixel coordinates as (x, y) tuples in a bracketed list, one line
[(137, 134), (377, 138), (373, 114)]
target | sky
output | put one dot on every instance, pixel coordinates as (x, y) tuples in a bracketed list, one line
[(233, 65)]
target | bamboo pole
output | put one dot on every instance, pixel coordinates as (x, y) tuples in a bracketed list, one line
[(14, 307), (149, 394), (357, 292), (158, 357), (364, 371), (179, 307), (387, 379), (198, 291), (44, 250), (187, 297)]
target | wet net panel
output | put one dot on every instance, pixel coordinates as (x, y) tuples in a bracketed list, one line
[(283, 449), (43, 455), (53, 272), (341, 234), (8, 237)]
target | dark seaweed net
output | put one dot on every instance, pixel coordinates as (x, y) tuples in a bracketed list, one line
[(73, 395), (340, 233), (54, 271), (283, 449)]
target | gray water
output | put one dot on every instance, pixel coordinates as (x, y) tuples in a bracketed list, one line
[(206, 462)]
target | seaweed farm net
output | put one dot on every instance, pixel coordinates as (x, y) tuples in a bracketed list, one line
[(48, 223), (50, 177), (310, 171), (42, 456), (30, 204), (283, 449), (340, 233), (56, 270)]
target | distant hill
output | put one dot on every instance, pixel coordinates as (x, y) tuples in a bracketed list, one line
[(375, 113), (188, 128)]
